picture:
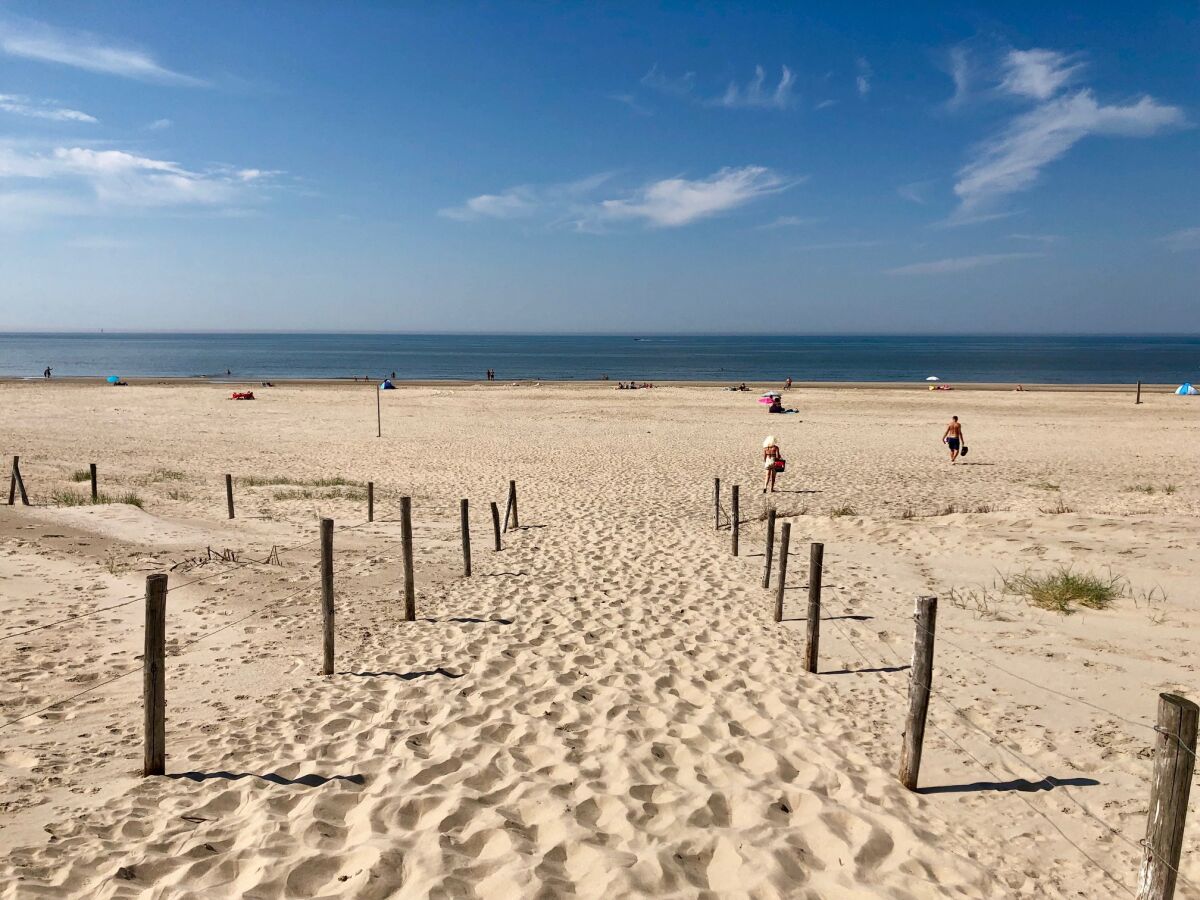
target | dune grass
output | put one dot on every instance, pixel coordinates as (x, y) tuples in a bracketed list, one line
[(844, 510), (81, 475), (286, 481), (71, 498), (1064, 590)]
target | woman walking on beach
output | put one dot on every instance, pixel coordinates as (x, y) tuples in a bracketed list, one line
[(771, 455)]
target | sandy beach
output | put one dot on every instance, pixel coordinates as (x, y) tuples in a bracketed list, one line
[(605, 708)]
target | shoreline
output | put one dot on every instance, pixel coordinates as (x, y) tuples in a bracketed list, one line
[(232, 382)]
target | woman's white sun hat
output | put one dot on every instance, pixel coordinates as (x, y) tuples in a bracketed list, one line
[(769, 442)]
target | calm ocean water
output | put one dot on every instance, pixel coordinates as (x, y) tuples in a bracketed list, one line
[(1062, 360)]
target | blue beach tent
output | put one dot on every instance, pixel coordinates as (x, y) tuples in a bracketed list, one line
[(387, 385), (1186, 389)]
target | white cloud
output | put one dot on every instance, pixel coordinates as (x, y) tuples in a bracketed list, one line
[(159, 125), (1183, 240), (914, 192), (679, 201), (960, 71), (1013, 160), (863, 81), (20, 105), (1037, 73), (753, 95), (676, 87), (959, 263), (668, 203), (84, 181), (825, 104), (85, 51), (632, 102), (786, 222)]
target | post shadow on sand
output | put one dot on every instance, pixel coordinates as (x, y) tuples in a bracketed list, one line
[(313, 780), (866, 671), (406, 676), (468, 620), (1048, 783), (852, 618)]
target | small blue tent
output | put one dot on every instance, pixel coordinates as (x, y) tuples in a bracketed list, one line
[(1186, 389), (387, 385)]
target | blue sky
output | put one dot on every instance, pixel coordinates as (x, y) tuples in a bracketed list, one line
[(542, 167)]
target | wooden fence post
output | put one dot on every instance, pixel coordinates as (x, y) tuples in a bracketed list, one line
[(733, 519), (229, 494), (717, 501), (406, 543), (1138, 401), (816, 557), (465, 518), (370, 501), (327, 594), (378, 415), (919, 686), (496, 523), (154, 677), (511, 509), (770, 548), (17, 483), (95, 486), (1174, 762), (785, 538)]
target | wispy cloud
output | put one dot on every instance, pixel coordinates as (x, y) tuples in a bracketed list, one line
[(681, 86), (37, 41), (667, 203), (631, 101), (679, 201), (64, 181), (959, 66), (862, 82), (159, 125), (825, 104), (915, 191), (1036, 238), (20, 105), (841, 245), (1013, 159), (1183, 240), (960, 263), (1038, 73), (753, 94), (787, 222)]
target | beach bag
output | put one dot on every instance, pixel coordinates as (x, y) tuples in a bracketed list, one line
[(779, 465), (964, 450)]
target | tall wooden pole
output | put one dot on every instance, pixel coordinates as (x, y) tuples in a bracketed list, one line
[(378, 415), (95, 486), (154, 677), (733, 520), (465, 520), (770, 548), (785, 538), (370, 501), (512, 499), (717, 501), (816, 556), (496, 524), (1139, 394), (327, 594), (406, 544), (229, 494), (919, 686), (1174, 762)]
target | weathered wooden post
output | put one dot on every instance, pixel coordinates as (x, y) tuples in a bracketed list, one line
[(1174, 762), (816, 556), (154, 677), (511, 509), (770, 548), (496, 524), (785, 538), (370, 501), (17, 483), (919, 686), (95, 486), (229, 494), (1138, 401), (465, 520), (733, 519), (327, 594), (406, 544), (378, 415), (717, 501)]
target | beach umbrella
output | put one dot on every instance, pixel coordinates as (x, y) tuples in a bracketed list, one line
[(113, 379), (933, 378), (1186, 389)]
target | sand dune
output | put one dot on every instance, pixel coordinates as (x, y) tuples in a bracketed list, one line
[(605, 709)]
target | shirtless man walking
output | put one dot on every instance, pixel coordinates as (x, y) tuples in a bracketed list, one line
[(953, 438)]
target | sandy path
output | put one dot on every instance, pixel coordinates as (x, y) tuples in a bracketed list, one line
[(605, 710)]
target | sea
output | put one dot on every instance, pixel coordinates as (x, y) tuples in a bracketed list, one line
[(735, 358)]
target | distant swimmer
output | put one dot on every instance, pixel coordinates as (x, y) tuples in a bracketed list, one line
[(953, 438), (46, 374)]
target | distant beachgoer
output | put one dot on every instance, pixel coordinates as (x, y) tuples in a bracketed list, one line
[(776, 405), (46, 374), (771, 453), (227, 372), (393, 374), (953, 438), (788, 383)]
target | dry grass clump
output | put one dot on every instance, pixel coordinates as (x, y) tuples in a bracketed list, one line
[(1057, 509), (1064, 589), (1045, 485), (283, 480), (81, 475), (1147, 488), (844, 510), (70, 498)]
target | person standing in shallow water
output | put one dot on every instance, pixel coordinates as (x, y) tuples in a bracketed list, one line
[(771, 453), (953, 438)]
